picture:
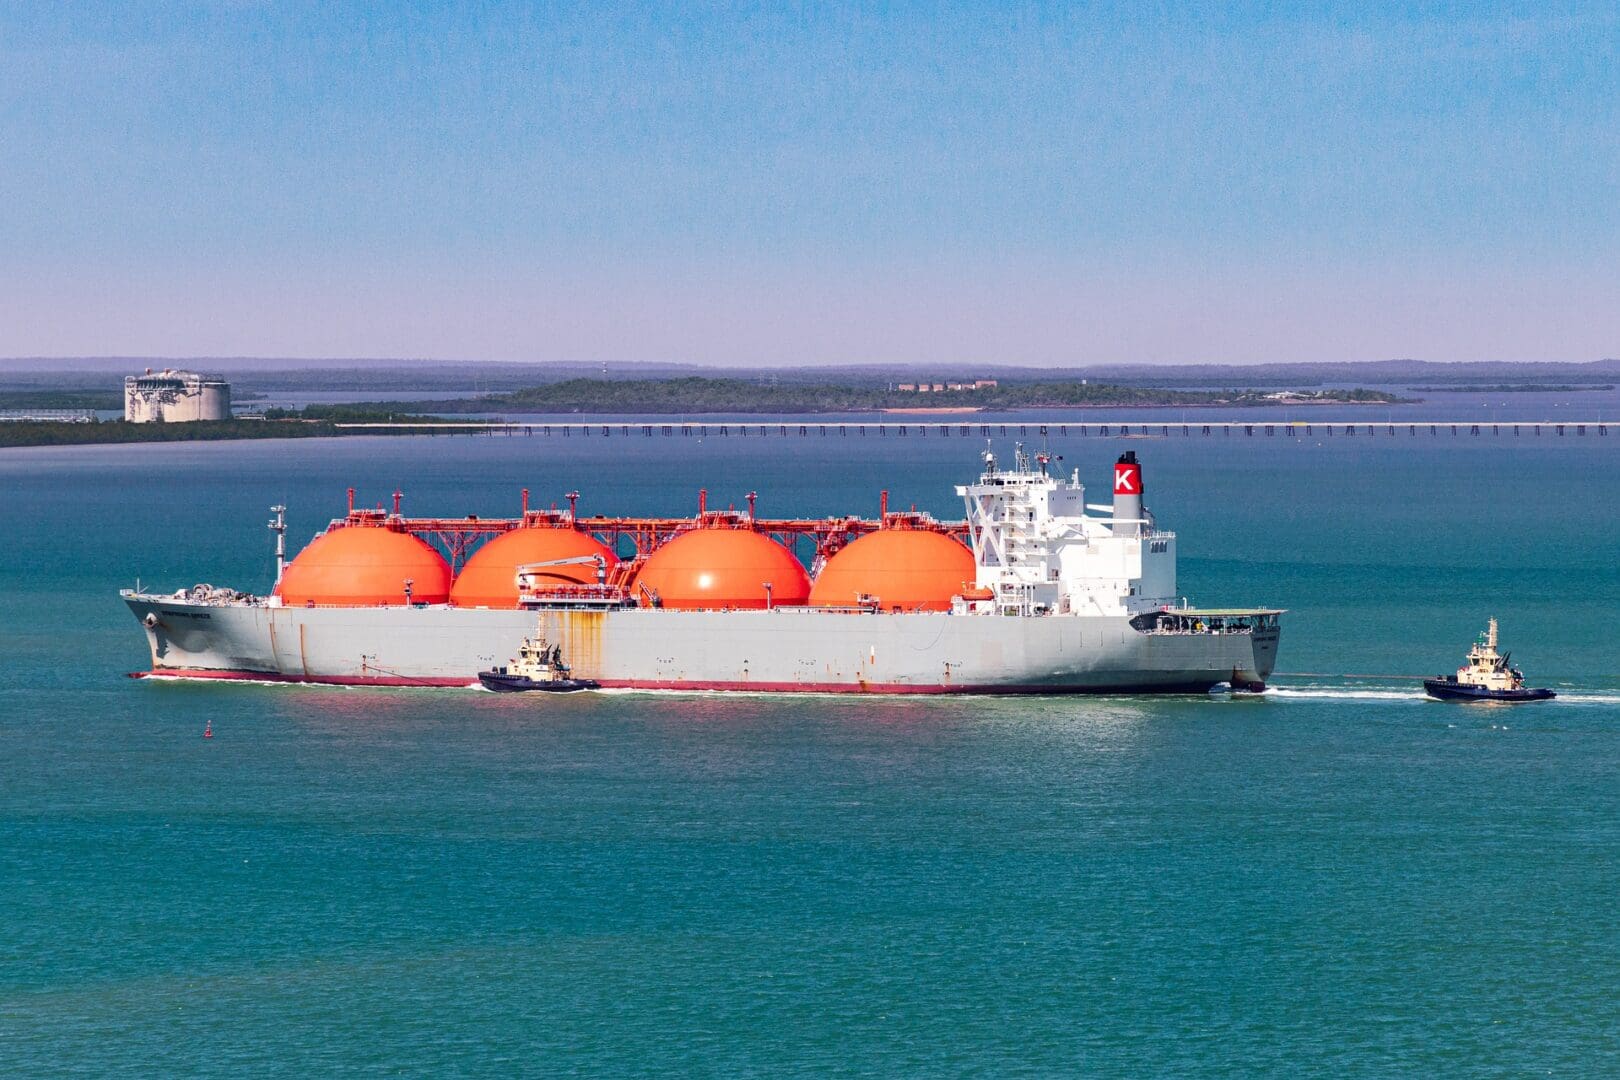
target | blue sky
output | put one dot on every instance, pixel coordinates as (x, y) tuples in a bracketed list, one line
[(772, 184)]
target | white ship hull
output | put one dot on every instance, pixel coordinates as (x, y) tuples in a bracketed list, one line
[(788, 649)]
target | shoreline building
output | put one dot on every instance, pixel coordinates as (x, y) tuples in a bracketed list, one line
[(175, 397), (941, 388)]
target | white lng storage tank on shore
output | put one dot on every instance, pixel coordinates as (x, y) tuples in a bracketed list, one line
[(175, 397)]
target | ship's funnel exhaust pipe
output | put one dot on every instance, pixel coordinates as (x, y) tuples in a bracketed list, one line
[(1127, 495)]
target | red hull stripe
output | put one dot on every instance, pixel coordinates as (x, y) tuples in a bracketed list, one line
[(277, 677), (654, 684)]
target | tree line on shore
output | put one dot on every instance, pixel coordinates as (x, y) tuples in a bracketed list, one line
[(694, 395)]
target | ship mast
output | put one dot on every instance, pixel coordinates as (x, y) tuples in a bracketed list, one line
[(1490, 635), (278, 525)]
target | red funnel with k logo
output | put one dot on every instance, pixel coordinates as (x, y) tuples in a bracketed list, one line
[(1127, 495)]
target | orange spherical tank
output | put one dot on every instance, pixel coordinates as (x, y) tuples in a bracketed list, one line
[(490, 577), (912, 569), (362, 566), (714, 568)]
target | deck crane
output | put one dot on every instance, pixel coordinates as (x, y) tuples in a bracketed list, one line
[(529, 571)]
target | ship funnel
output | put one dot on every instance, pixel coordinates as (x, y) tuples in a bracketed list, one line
[(1127, 495)]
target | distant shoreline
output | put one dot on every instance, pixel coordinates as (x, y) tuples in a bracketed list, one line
[(18, 434), (699, 396), (943, 411), (596, 399), (1514, 388)]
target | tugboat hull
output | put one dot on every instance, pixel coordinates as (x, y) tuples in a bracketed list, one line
[(502, 683), (1451, 690)]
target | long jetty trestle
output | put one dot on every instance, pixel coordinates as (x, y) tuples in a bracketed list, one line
[(980, 430)]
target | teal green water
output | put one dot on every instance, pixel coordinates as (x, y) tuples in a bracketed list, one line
[(1338, 878)]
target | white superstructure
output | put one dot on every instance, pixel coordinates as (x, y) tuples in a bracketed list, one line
[(1486, 668), (1039, 553)]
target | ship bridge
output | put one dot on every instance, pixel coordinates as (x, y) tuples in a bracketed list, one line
[(1038, 552)]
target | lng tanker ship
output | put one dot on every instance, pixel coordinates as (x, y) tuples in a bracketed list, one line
[(1030, 593)]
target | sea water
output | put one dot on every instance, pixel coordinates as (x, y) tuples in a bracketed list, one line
[(1338, 877)]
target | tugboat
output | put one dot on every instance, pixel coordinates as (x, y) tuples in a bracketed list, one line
[(1488, 676), (537, 666)]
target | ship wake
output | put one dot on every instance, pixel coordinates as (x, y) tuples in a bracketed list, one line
[(1336, 693)]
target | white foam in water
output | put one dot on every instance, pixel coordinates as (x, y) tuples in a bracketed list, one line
[(1334, 693), (1575, 697), (1278, 693)]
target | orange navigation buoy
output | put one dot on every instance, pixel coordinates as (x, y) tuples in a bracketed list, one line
[(208, 730)]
